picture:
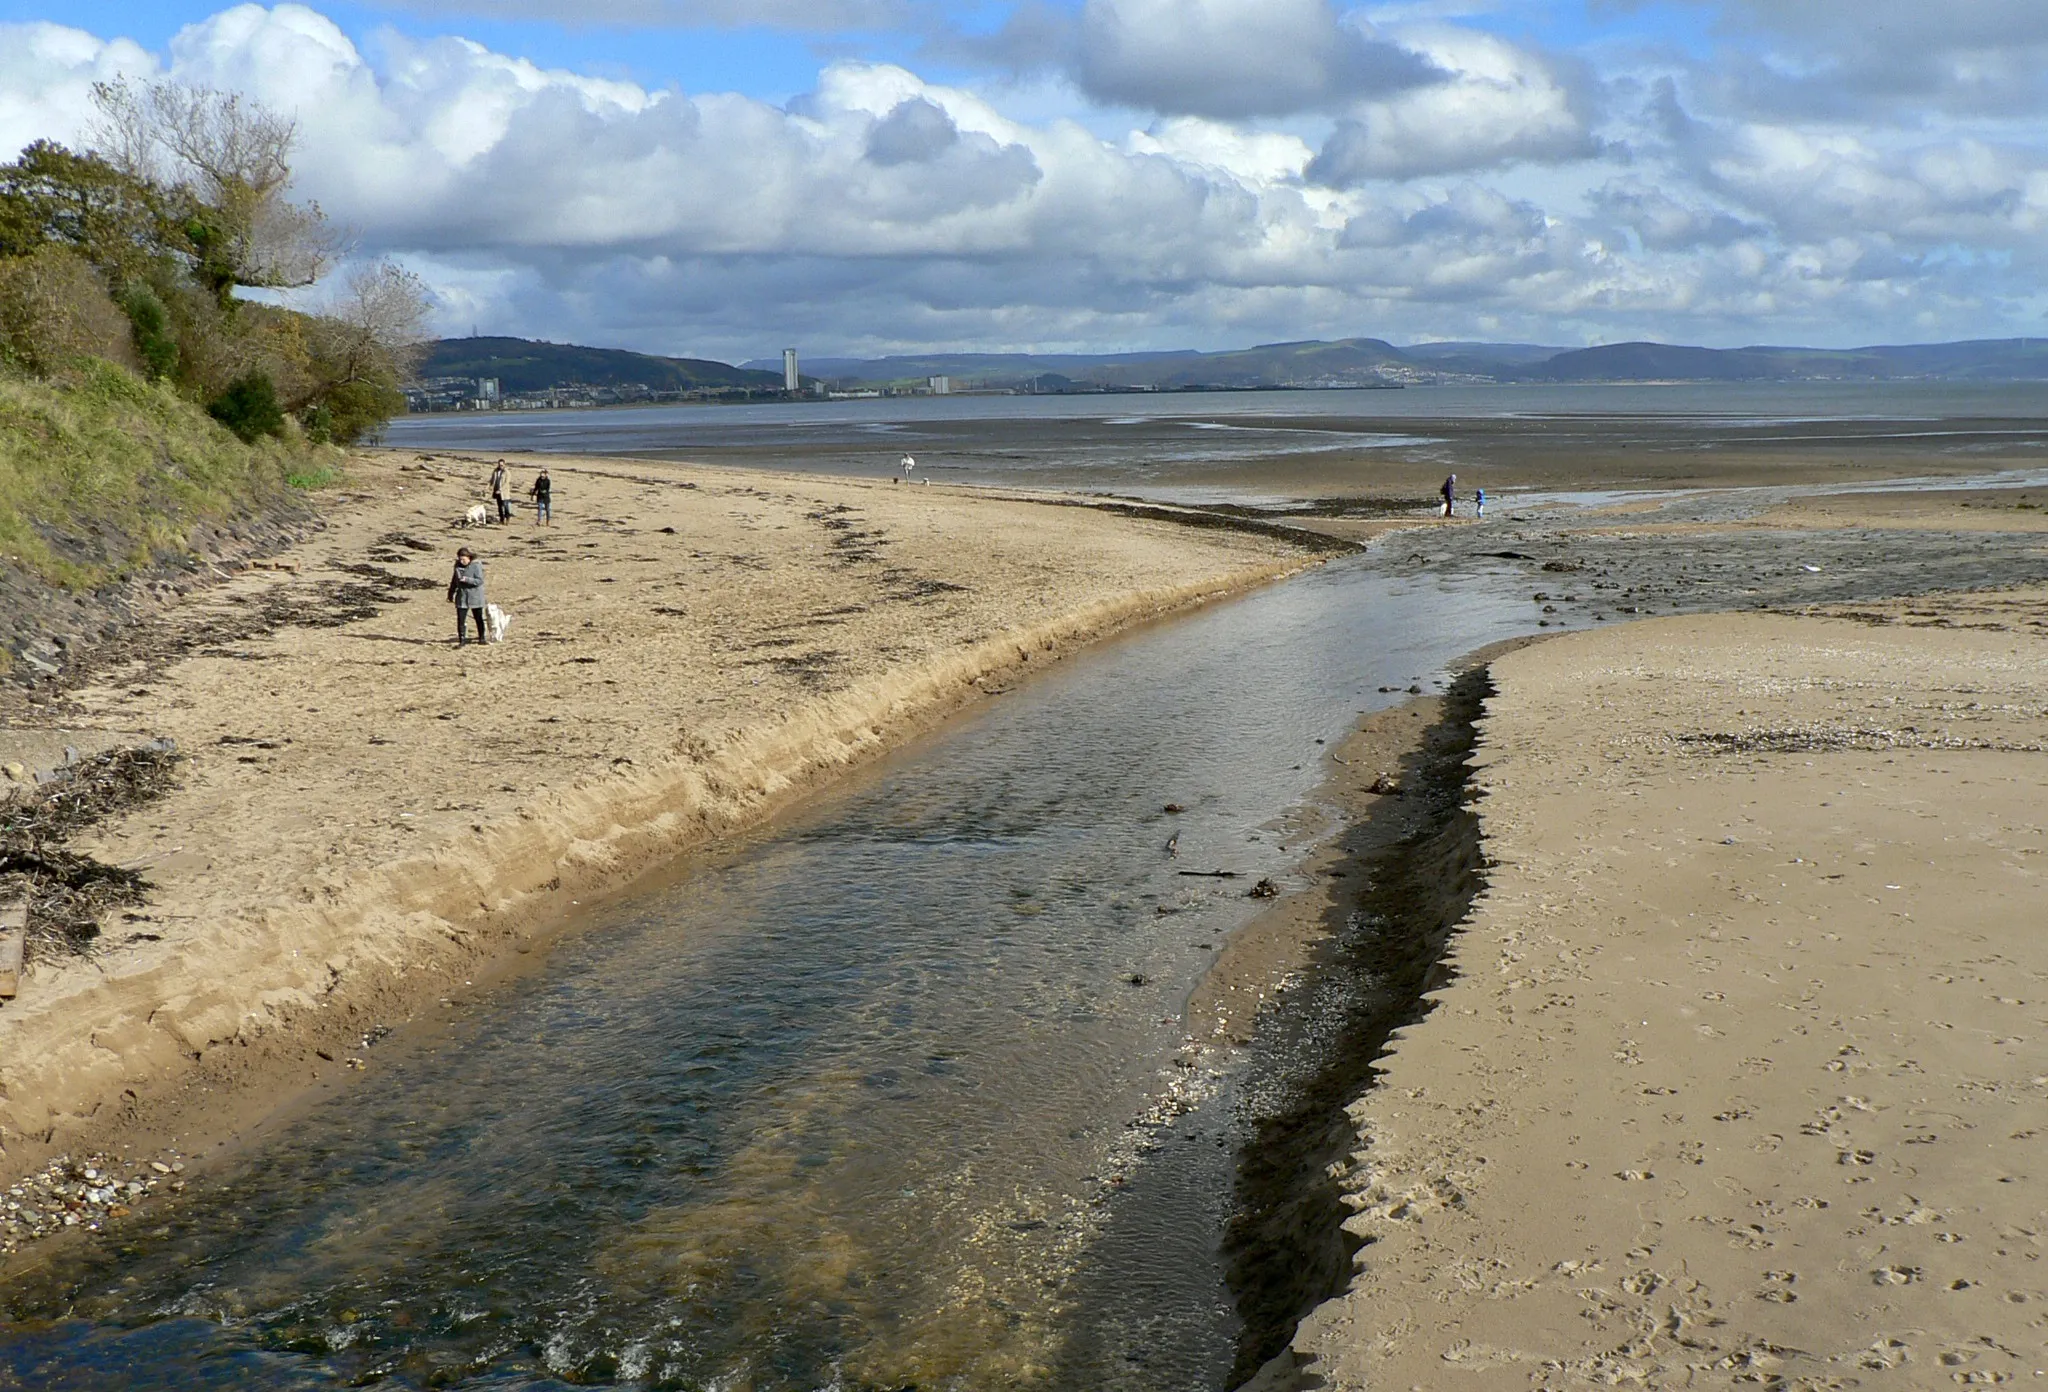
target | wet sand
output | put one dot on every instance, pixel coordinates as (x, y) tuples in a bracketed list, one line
[(1737, 1078), (1220, 454), (371, 819)]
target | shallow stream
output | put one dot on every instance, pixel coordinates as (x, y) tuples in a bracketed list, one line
[(858, 1103)]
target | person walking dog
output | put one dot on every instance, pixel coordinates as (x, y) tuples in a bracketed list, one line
[(466, 593)]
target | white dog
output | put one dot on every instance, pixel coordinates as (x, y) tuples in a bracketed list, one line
[(496, 621), (477, 516)]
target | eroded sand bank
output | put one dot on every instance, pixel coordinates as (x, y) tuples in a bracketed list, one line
[(370, 816), (1740, 1077)]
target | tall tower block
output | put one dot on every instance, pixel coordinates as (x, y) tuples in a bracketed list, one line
[(790, 380)]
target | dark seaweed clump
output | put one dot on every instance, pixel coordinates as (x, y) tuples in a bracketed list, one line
[(68, 893)]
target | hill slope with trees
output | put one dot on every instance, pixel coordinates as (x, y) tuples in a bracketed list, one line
[(152, 414)]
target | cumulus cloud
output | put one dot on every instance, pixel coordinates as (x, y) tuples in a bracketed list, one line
[(1662, 222), (1235, 58), (46, 77), (812, 16), (1483, 188), (1503, 104), (1883, 60)]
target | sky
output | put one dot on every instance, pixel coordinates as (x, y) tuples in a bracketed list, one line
[(726, 178)]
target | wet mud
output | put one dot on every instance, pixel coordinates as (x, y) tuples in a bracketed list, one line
[(1410, 867)]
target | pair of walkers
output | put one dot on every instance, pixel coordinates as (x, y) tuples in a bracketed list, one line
[(542, 492), (1449, 493)]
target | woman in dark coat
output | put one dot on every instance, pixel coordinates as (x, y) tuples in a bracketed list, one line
[(466, 593)]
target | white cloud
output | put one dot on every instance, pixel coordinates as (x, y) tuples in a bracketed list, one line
[(1234, 58), (1514, 193), (1503, 104), (46, 77)]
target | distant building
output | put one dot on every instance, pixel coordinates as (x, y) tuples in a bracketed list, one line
[(791, 381), (487, 391), (940, 386)]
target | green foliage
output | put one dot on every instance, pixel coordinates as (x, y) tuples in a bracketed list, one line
[(51, 195), (104, 473), (54, 310), (351, 411), (249, 408), (156, 340), (136, 257)]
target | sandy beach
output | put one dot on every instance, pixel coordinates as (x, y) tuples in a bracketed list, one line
[(1738, 1079), (370, 819)]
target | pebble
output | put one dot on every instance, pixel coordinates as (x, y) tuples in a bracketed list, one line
[(67, 1194)]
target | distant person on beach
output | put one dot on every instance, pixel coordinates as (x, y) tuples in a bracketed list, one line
[(543, 495), (466, 593), (500, 480), (1450, 492), (908, 464), (1479, 503)]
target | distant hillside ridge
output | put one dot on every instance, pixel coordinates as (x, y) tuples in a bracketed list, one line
[(1976, 360), (525, 365)]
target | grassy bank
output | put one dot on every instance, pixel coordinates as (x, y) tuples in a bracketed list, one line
[(105, 474)]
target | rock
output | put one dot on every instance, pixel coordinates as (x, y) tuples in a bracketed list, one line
[(1136, 978), (1264, 889), (1175, 808), (16, 773)]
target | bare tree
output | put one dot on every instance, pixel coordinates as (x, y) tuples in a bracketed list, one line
[(375, 328), (231, 161)]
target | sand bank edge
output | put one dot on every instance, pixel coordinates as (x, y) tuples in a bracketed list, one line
[(96, 1054)]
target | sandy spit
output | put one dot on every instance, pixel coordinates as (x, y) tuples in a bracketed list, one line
[(371, 817), (1740, 1080)]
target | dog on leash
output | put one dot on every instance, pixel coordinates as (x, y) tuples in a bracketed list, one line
[(496, 622), (477, 516)]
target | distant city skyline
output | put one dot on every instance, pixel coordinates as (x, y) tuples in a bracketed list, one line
[(717, 179)]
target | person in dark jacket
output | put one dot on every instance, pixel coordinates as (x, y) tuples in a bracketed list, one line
[(1450, 493), (543, 500), (466, 593)]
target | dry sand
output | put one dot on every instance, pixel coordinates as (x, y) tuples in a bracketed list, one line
[(371, 817), (1741, 1077)]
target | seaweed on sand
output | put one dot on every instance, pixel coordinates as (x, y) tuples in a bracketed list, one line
[(68, 893)]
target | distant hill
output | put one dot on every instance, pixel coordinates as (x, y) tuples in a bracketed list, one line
[(1981, 360), (1654, 362), (522, 365), (1467, 351)]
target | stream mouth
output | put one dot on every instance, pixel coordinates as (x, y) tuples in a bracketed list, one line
[(897, 1096)]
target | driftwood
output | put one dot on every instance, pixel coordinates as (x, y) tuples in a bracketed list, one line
[(1209, 874)]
